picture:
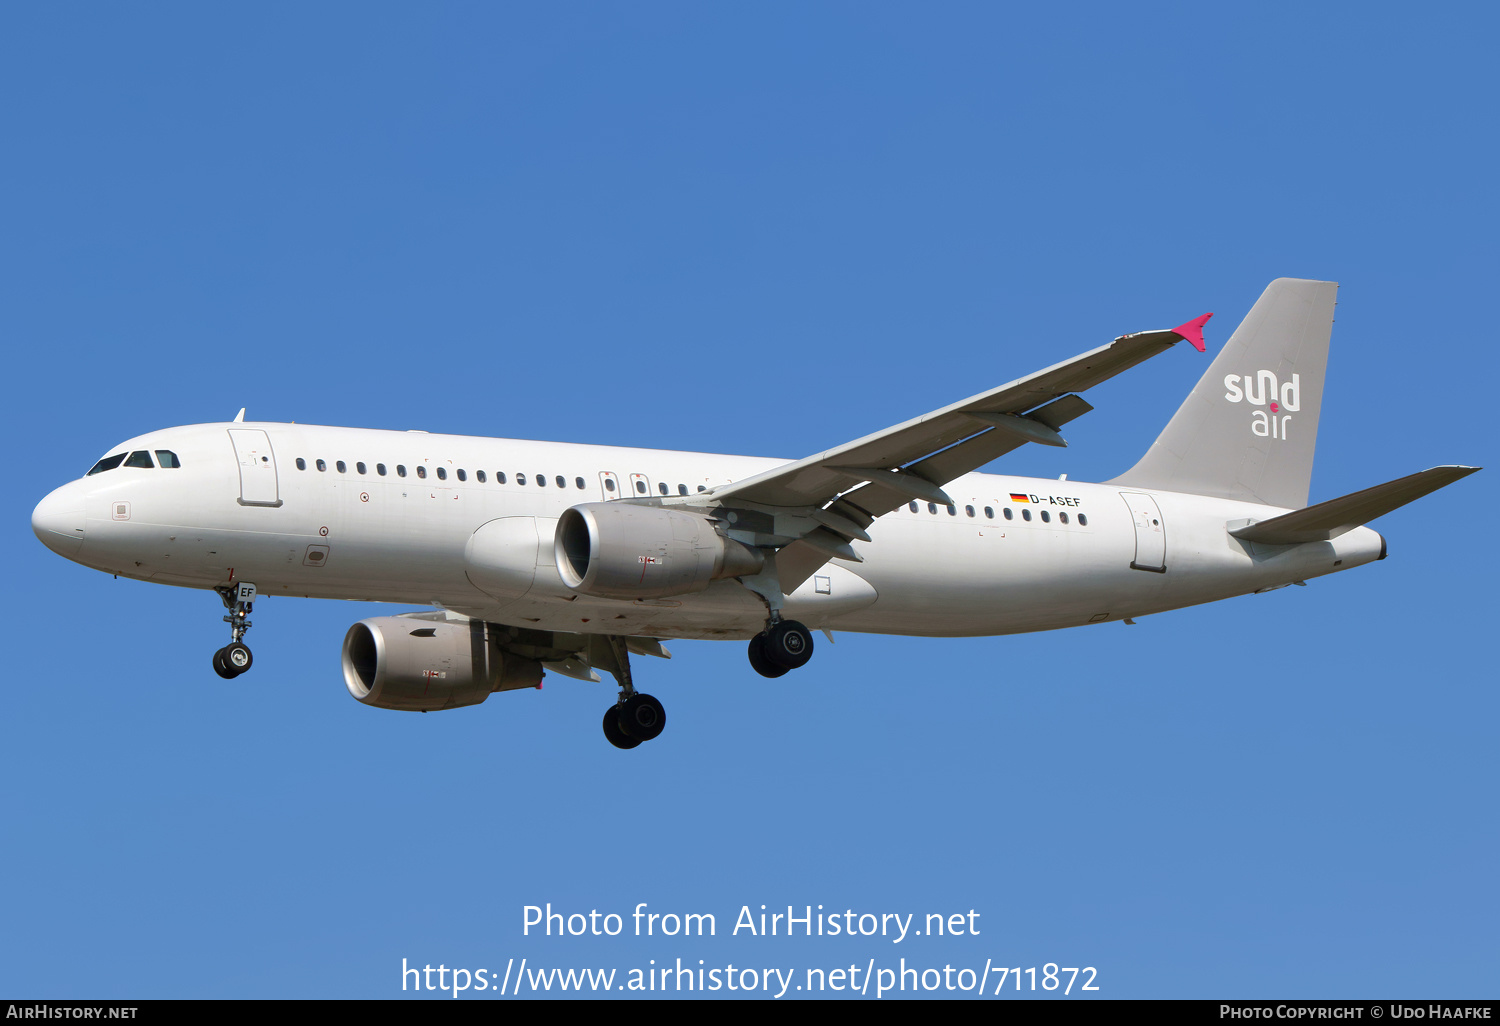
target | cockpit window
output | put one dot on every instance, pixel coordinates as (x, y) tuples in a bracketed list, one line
[(108, 463), (167, 458), (140, 458)]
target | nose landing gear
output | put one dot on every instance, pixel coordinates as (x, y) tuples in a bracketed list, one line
[(234, 658)]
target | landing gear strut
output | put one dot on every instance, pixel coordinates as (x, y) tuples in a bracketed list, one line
[(784, 645), (634, 718), (234, 658)]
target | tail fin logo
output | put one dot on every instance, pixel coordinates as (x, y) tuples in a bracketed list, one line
[(1262, 389)]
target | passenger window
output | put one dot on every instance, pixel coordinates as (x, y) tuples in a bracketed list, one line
[(1063, 517), (301, 463), (343, 467), (1046, 517), (442, 473), (579, 482), (682, 489), (422, 472), (360, 467), (640, 486), (932, 507), (520, 479), (380, 469), (108, 463), (140, 458), (1083, 520), (167, 458), (913, 505), (479, 476), (952, 510), (969, 510), (321, 465), (661, 486), (609, 484), (701, 488), (560, 481), (461, 475), (989, 512), (1025, 514), (500, 477), (541, 480), (400, 470), (1008, 514)]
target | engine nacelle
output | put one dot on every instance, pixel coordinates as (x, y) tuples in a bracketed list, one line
[(620, 550), (398, 662)]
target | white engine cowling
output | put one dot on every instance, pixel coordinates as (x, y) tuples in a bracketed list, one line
[(619, 550), (398, 662)]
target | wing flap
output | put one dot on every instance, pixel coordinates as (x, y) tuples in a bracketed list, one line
[(970, 455), (795, 563)]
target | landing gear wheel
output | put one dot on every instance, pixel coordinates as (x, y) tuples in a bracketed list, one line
[(758, 660), (612, 731), (788, 644), (220, 668), (236, 657), (642, 717)]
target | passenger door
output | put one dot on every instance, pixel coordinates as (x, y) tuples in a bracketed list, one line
[(258, 484), (1150, 533)]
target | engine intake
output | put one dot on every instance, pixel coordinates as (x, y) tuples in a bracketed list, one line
[(398, 662), (620, 550)]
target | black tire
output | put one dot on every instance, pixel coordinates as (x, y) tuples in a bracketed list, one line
[(642, 717), (788, 644), (221, 668), (237, 657), (612, 731), (758, 660)]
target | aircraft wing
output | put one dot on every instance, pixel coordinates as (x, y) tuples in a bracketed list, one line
[(912, 460), (845, 488)]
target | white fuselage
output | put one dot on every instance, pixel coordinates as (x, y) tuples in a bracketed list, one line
[(331, 533)]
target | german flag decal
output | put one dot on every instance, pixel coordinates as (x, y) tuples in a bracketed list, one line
[(1018, 497)]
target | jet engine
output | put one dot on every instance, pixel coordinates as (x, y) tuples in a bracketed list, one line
[(400, 662), (620, 550)]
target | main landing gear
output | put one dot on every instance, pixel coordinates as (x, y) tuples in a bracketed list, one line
[(783, 646), (634, 718), (234, 658)]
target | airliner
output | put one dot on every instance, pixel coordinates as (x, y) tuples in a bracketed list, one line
[(536, 557)]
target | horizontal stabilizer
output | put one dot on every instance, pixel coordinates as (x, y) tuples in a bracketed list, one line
[(572, 667), (647, 647), (1336, 516)]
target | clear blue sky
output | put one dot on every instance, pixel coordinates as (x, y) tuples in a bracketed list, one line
[(760, 230)]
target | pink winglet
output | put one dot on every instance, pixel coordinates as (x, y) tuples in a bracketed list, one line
[(1193, 331)]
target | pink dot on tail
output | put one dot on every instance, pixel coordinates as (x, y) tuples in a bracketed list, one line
[(1274, 407)]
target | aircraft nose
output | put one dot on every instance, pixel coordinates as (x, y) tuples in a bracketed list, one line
[(58, 522)]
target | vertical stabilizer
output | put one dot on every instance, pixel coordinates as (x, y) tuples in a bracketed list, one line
[(1248, 428)]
